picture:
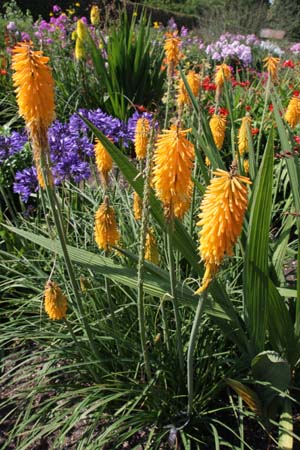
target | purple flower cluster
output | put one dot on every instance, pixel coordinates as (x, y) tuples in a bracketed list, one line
[(295, 48), (9, 145), (233, 46), (71, 149), (56, 28), (25, 183)]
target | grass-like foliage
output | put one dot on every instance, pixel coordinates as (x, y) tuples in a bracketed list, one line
[(149, 280)]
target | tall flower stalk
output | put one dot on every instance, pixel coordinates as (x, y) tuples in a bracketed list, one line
[(35, 97), (142, 251)]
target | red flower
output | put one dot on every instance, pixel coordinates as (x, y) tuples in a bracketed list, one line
[(3, 72), (296, 93), (254, 131), (297, 139), (271, 107), (248, 108), (288, 63)]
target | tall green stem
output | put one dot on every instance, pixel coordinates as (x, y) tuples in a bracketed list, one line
[(111, 308), (174, 298), (191, 349), (141, 268), (58, 220)]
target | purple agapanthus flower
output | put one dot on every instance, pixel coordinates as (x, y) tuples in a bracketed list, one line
[(25, 183)]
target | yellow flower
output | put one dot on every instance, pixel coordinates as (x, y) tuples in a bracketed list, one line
[(243, 134), (271, 64), (223, 73), (141, 137), (221, 218), (193, 80), (79, 50), (246, 166), (95, 15), (218, 127), (105, 230), (137, 206), (172, 52), (292, 114), (55, 301), (104, 161), (173, 163), (34, 85), (151, 251), (156, 25), (81, 30), (77, 4)]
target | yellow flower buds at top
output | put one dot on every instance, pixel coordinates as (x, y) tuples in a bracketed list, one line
[(95, 15), (173, 164), (137, 206), (141, 137), (223, 73), (55, 301), (292, 114), (105, 229), (151, 251), (34, 85), (193, 80), (243, 134), (221, 218), (172, 52), (81, 30), (104, 161), (217, 125), (271, 64)]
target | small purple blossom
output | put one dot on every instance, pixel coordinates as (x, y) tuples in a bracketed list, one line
[(56, 8), (25, 183), (295, 48), (11, 26)]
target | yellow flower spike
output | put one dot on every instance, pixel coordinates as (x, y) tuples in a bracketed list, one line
[(173, 164), (271, 64), (105, 229), (292, 114), (223, 73), (95, 15), (141, 137), (79, 50), (104, 161), (151, 251), (55, 301), (243, 135), (193, 80), (221, 218), (137, 206), (34, 85), (81, 30), (172, 51), (217, 125)]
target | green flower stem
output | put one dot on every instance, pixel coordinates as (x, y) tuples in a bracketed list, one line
[(267, 94), (111, 308), (191, 349), (58, 220), (165, 326), (169, 85), (141, 268), (78, 345), (174, 299), (297, 320)]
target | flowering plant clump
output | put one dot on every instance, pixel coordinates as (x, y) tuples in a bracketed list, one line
[(233, 46)]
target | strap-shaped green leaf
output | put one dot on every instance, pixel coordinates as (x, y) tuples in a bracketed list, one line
[(256, 272)]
